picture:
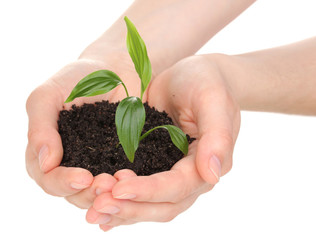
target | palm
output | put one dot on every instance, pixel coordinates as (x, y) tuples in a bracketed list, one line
[(43, 108), (166, 94), (202, 106), (196, 96), (172, 95)]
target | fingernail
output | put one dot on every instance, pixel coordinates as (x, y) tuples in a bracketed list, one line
[(42, 156), (103, 219), (98, 191), (101, 190), (125, 196), (78, 186), (215, 166), (109, 209)]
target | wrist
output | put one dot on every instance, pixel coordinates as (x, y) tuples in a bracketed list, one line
[(102, 50), (232, 72)]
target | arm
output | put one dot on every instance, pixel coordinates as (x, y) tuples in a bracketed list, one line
[(171, 29), (280, 79)]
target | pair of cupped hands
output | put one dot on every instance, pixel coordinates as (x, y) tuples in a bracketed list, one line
[(194, 92)]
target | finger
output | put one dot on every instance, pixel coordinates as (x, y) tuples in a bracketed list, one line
[(216, 122), (95, 217), (139, 211), (84, 199), (61, 181), (44, 141), (105, 227), (124, 174), (169, 186), (133, 212)]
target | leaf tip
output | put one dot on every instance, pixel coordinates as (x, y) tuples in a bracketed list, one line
[(126, 19), (131, 159)]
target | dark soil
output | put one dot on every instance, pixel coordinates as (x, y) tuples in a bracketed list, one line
[(90, 141)]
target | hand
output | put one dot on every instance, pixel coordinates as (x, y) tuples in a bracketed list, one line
[(44, 150), (199, 98), (194, 92)]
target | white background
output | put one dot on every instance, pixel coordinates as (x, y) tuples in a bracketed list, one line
[(269, 194)]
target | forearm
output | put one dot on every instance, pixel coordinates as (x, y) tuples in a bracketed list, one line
[(281, 79), (171, 29)]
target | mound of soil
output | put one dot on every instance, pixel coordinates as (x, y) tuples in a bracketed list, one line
[(90, 141)]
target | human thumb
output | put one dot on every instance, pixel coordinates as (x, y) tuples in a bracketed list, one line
[(216, 141)]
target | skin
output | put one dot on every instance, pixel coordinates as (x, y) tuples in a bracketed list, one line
[(203, 94), (44, 150), (206, 110), (280, 79), (80, 188)]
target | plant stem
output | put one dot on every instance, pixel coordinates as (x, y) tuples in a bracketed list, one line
[(148, 132), (125, 89)]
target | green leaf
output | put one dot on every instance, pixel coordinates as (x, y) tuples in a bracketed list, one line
[(138, 52), (178, 137), (130, 119), (95, 83)]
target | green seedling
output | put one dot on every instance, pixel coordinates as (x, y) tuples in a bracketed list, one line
[(130, 113)]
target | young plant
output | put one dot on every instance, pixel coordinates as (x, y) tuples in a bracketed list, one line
[(130, 113)]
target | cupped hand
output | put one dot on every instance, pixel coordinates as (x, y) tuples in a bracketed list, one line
[(200, 100), (195, 93), (44, 150)]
